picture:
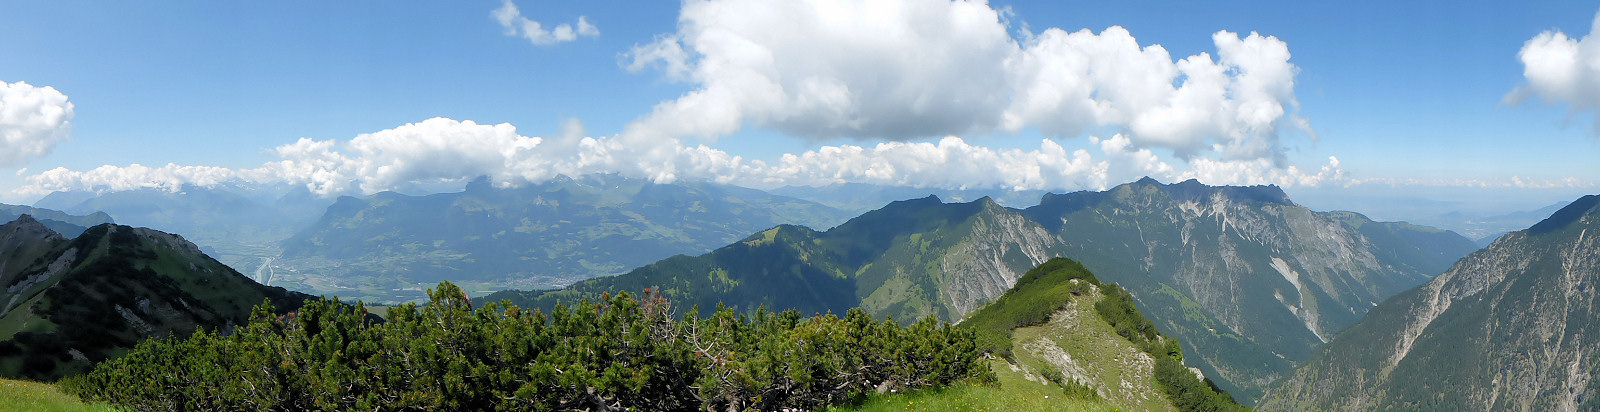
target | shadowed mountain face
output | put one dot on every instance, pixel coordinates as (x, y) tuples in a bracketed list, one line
[(1252, 281), (535, 236), (1509, 327), (68, 304)]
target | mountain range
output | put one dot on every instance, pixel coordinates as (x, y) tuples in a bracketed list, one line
[(61, 222), (541, 235), (1505, 328), (240, 225), (910, 259), (1250, 280), (858, 198), (1271, 301)]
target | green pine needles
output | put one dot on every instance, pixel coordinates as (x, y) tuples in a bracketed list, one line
[(621, 353)]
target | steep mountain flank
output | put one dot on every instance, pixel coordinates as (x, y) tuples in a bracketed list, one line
[(1506, 328), (1252, 281), (910, 259), (22, 241), (542, 235), (70, 304), (1420, 248)]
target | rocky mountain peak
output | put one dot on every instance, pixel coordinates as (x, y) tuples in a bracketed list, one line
[(26, 226), (26, 219), (1186, 191), (1193, 190)]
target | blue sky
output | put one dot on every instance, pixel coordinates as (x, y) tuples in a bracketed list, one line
[(1409, 95)]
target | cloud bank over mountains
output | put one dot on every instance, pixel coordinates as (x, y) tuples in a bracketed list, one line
[(899, 71), (444, 150), (907, 84), (32, 121)]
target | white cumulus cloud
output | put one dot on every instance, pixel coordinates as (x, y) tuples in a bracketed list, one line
[(511, 18), (1562, 69), (831, 68), (32, 121), (926, 68)]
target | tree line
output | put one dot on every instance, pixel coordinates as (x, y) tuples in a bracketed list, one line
[(617, 353)]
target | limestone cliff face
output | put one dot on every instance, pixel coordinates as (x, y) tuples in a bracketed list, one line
[(1001, 246), (1510, 327), (950, 265), (1249, 279)]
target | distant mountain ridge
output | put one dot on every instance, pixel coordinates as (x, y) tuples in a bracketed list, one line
[(911, 259), (533, 236), (237, 224), (1509, 327), (859, 198), (1250, 279), (61, 222), (70, 303)]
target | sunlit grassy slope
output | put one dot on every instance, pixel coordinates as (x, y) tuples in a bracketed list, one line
[(19, 395), (1013, 393)]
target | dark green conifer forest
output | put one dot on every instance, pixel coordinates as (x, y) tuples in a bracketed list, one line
[(620, 353)]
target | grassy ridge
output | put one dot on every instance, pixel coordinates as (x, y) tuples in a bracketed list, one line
[(1013, 392), (1048, 288), (1042, 291)]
